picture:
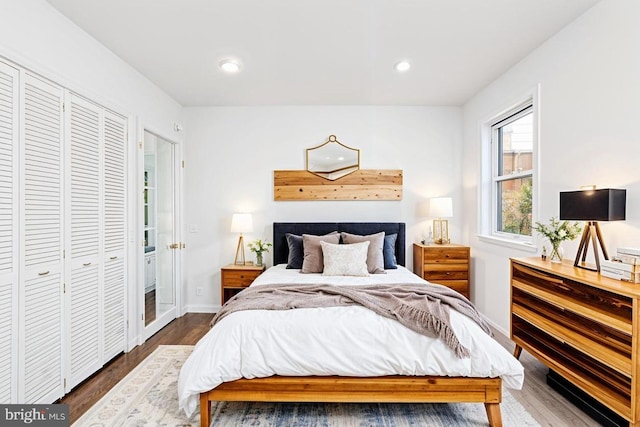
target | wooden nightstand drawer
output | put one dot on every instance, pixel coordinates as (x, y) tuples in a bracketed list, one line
[(239, 278)]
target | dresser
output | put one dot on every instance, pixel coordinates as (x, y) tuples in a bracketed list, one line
[(446, 264), (235, 278), (583, 326)]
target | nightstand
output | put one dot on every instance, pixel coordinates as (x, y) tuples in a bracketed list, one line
[(235, 278), (446, 264)]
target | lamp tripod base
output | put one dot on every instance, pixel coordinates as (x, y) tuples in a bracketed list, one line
[(590, 233)]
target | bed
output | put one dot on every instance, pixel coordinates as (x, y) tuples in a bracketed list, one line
[(297, 355)]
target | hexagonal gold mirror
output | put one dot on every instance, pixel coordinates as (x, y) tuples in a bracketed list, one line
[(332, 160)]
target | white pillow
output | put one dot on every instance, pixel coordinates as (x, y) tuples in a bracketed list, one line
[(345, 260)]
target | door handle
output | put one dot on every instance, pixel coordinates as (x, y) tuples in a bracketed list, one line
[(174, 246)]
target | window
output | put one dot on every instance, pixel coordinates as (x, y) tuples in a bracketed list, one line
[(509, 170)]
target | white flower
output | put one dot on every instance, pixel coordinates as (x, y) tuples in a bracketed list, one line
[(558, 231)]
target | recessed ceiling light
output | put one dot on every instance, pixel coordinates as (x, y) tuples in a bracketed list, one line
[(229, 65), (402, 66)]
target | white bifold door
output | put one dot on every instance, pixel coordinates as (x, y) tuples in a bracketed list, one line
[(95, 236), (31, 238), (84, 210), (62, 237), (95, 243), (41, 273), (114, 235)]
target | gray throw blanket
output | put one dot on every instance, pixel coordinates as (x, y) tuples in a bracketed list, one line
[(421, 308)]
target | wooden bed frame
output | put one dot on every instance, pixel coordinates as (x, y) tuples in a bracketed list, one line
[(387, 389), (390, 389)]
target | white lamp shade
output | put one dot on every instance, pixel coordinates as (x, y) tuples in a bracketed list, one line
[(441, 207), (241, 223)]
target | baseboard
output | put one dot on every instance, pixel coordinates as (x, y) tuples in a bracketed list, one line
[(133, 343), (582, 400), (201, 308)]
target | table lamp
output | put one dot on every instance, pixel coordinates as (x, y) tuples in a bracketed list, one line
[(440, 207), (592, 206), (241, 223)]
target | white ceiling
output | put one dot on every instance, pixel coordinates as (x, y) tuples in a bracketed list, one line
[(322, 52)]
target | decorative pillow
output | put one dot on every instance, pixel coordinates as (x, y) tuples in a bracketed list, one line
[(313, 261), (296, 250), (296, 253), (375, 258), (389, 251), (345, 260)]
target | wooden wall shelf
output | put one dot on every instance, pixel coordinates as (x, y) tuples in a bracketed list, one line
[(363, 184)]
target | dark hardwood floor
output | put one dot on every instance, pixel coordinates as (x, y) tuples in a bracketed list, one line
[(186, 330)]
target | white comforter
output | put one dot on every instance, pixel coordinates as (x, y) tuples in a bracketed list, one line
[(348, 341)]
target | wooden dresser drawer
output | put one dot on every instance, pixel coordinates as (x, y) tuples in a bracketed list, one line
[(461, 286), (446, 264), (447, 272), (446, 255)]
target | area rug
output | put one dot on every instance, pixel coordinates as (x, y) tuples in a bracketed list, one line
[(147, 396)]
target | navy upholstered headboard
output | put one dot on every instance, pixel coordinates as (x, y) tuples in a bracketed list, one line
[(281, 249)]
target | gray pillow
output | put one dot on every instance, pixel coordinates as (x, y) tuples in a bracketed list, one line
[(313, 261), (375, 256)]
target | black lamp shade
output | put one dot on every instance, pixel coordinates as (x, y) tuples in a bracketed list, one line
[(593, 205)]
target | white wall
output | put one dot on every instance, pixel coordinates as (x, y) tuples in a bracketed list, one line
[(233, 151), (36, 36), (589, 75)]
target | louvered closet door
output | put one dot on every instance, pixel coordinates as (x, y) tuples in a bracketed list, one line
[(84, 123), (41, 302), (115, 137), (9, 78)]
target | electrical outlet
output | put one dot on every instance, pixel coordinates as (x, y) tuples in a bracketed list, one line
[(200, 291)]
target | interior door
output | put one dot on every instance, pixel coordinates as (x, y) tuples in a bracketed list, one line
[(160, 237), (42, 230), (83, 210)]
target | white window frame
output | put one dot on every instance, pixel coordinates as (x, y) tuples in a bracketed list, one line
[(489, 179)]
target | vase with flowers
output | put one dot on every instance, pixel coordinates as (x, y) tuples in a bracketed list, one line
[(557, 232), (259, 246)]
